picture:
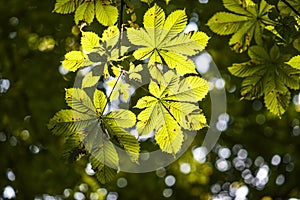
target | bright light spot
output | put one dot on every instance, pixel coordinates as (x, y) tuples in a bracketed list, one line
[(203, 62), (242, 154), (232, 89), (167, 192), (2, 137), (46, 43), (4, 85), (216, 188), (10, 175), (185, 168), (224, 153), (276, 160), (203, 1), (220, 83), (236, 148), (25, 134), (94, 196), (280, 179), (296, 131), (102, 191), (89, 170), (62, 70), (170, 180), (259, 161), (9, 192), (122, 182), (85, 70), (199, 154), (112, 196), (263, 172), (67, 192), (83, 187), (34, 149), (223, 117), (241, 192), (161, 172), (79, 196), (239, 164), (290, 167), (222, 165), (12, 35), (221, 125), (14, 21), (192, 26), (296, 99)]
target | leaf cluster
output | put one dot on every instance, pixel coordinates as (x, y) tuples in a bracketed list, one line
[(158, 53), (271, 74)]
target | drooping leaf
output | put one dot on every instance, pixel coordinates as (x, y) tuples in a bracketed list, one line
[(172, 108), (245, 23), (64, 6), (106, 14), (85, 12), (267, 75)]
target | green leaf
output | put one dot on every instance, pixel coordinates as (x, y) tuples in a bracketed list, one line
[(133, 72), (267, 75), (74, 60), (78, 100), (161, 37), (89, 80), (105, 159), (89, 41), (294, 62), (85, 12), (100, 102), (68, 122), (120, 88), (169, 137), (171, 108), (121, 118), (106, 15), (64, 6), (247, 21)]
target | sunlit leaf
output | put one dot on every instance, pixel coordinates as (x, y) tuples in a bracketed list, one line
[(73, 60), (85, 12), (294, 62), (89, 80), (64, 6), (106, 14), (89, 41)]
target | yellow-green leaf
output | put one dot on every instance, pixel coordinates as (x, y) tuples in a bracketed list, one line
[(106, 14), (89, 41), (89, 80), (64, 6), (100, 102), (78, 100), (73, 60), (85, 12), (294, 62)]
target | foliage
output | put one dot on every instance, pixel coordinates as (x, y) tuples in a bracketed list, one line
[(266, 74), (174, 97)]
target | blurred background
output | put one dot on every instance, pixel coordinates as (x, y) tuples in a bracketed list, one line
[(257, 155)]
